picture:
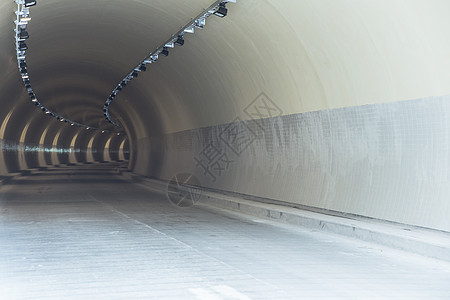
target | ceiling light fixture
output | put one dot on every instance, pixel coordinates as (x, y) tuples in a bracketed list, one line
[(218, 8), (222, 11), (200, 23), (22, 46), (28, 3), (164, 51), (142, 68), (21, 34), (179, 41)]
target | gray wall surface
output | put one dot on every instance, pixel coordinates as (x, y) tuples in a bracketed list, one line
[(388, 161)]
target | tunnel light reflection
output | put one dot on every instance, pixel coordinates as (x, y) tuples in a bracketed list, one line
[(218, 8), (14, 147), (7, 146), (21, 34)]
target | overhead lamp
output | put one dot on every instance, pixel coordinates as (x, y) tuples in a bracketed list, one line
[(29, 3), (165, 51), (218, 8), (20, 55), (169, 45), (23, 12), (200, 23), (21, 23), (23, 46), (23, 34), (189, 29), (179, 41), (221, 11)]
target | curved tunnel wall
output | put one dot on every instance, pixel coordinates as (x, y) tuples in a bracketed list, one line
[(340, 105), (347, 92)]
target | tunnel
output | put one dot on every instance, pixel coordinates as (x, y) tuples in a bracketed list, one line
[(249, 149)]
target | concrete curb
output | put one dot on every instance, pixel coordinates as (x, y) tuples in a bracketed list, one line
[(426, 242)]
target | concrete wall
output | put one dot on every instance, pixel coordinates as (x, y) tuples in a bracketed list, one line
[(387, 161), (340, 136)]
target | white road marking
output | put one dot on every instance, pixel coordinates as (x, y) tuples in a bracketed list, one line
[(203, 294), (230, 292)]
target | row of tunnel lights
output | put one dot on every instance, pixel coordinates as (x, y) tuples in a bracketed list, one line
[(21, 35), (218, 8)]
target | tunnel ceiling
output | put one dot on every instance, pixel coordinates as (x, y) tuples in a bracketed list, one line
[(304, 55)]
